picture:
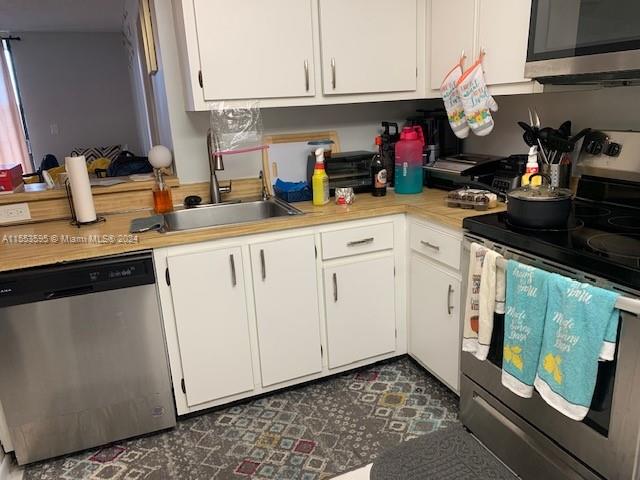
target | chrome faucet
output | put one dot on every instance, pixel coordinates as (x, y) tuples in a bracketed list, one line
[(263, 184), (215, 164)]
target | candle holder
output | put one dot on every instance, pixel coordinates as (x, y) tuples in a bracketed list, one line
[(74, 216)]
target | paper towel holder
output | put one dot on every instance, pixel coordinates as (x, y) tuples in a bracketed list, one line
[(74, 216)]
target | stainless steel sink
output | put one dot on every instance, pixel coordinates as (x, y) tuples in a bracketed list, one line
[(229, 214)]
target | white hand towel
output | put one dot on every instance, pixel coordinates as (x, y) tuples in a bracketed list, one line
[(488, 290), (501, 287), (472, 304)]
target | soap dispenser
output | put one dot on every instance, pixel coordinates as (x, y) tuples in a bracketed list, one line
[(160, 158)]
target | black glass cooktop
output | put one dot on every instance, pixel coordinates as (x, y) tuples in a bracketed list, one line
[(602, 238)]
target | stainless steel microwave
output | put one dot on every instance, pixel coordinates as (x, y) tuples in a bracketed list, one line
[(584, 41)]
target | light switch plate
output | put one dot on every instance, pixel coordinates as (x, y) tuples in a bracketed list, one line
[(15, 212)]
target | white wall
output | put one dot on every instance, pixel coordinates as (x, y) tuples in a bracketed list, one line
[(356, 124), (604, 109), (79, 82)]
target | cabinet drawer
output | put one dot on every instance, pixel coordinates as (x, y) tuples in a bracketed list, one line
[(435, 244), (353, 241)]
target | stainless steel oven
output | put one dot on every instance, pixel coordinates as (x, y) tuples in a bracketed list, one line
[(538, 441), (584, 41)]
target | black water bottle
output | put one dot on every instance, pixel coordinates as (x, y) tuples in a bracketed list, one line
[(378, 172)]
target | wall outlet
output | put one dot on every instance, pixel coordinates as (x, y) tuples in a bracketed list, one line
[(15, 212)]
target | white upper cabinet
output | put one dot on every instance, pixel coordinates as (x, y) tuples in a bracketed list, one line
[(368, 46), (499, 27), (254, 49), (503, 32), (285, 286), (299, 52), (210, 310), (452, 31)]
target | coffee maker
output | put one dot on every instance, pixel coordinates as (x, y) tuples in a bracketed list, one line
[(440, 141)]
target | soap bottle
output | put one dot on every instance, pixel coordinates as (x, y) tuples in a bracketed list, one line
[(320, 180), (162, 200), (531, 168)]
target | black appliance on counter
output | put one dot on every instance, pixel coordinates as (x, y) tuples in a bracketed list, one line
[(599, 245), (440, 141), (346, 169), (493, 172)]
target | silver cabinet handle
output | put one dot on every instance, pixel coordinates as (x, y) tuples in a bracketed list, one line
[(449, 306), (262, 264), (335, 287), (333, 73), (306, 75), (430, 245), (234, 280), (364, 241)]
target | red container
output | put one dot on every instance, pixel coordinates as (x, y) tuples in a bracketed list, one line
[(10, 177), (408, 171)]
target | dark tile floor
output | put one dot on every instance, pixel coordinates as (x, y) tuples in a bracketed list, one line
[(308, 433)]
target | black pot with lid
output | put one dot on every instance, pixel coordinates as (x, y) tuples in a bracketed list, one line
[(539, 206)]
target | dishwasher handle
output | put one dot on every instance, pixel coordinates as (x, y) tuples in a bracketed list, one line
[(68, 292)]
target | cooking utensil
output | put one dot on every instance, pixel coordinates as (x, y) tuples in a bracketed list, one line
[(529, 135), (539, 206), (565, 129)]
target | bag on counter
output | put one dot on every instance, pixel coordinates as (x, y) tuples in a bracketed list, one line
[(128, 164)]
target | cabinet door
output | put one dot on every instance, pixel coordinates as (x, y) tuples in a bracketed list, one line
[(211, 318), (452, 31), (286, 294), (360, 309), (255, 49), (434, 316), (368, 46), (503, 32)]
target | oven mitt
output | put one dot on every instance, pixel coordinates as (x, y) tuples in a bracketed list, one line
[(453, 102), (476, 100)]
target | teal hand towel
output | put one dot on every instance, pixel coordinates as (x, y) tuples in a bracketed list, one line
[(525, 311), (581, 328)]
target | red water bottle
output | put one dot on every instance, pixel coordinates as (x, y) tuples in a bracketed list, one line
[(408, 171)]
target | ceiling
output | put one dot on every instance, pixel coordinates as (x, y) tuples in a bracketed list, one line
[(61, 15)]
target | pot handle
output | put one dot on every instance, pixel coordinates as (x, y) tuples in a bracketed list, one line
[(544, 176)]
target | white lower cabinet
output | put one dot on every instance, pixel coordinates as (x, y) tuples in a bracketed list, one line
[(210, 308), (434, 319), (360, 309), (286, 300), (248, 315)]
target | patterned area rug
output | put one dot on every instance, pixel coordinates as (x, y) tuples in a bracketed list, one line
[(310, 433)]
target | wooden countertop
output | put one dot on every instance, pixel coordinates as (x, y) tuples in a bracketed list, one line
[(46, 243)]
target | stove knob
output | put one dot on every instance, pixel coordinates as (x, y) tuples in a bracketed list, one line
[(594, 147), (613, 149)]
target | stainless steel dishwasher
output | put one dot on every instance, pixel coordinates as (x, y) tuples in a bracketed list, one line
[(82, 356)]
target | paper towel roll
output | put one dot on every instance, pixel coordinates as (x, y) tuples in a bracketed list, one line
[(80, 188)]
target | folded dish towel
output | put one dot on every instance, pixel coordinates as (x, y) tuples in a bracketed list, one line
[(471, 324), (581, 327), (526, 307), (487, 301), (501, 287), (145, 224)]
